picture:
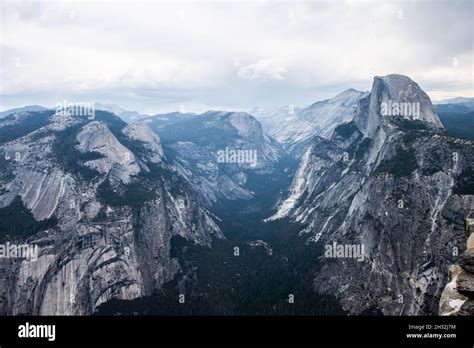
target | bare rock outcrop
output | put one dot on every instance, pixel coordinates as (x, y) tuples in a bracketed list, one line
[(458, 295)]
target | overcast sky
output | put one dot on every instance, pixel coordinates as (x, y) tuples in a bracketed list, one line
[(154, 56)]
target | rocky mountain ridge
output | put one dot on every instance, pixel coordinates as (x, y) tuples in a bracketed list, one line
[(393, 184), (206, 150), (295, 126), (378, 176), (116, 204)]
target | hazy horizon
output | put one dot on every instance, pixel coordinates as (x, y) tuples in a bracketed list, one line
[(233, 55), (197, 111)]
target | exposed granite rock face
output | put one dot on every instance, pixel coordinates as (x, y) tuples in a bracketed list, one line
[(394, 92), (458, 295), (101, 248), (295, 126), (466, 260), (451, 300), (246, 125), (389, 183), (467, 308), (96, 137), (40, 191), (141, 132), (465, 284), (62, 120), (203, 144)]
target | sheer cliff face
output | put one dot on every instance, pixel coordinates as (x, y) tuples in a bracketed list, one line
[(116, 202), (295, 126), (392, 184), (103, 199), (392, 95)]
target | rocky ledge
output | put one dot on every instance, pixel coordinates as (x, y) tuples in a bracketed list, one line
[(458, 295)]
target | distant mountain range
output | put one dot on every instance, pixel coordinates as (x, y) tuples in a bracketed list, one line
[(295, 126), (235, 211), (458, 100), (457, 116), (27, 108), (126, 115)]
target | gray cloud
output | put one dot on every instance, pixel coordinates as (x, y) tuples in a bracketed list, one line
[(156, 55)]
